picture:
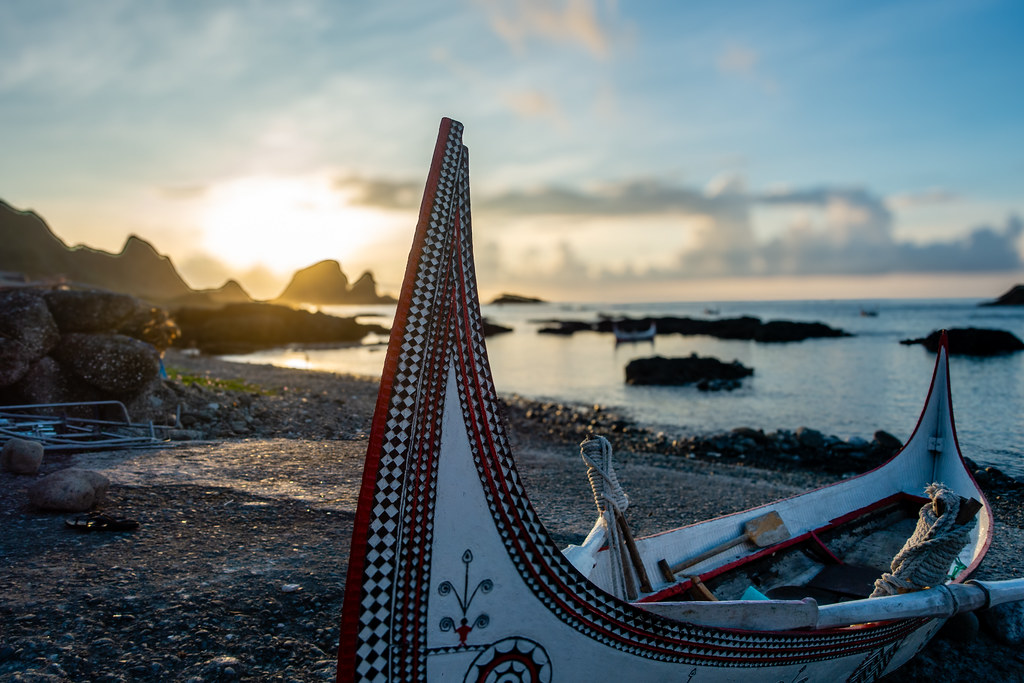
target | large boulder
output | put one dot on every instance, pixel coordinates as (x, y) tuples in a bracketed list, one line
[(111, 362), (152, 325), (48, 382), (15, 360), (25, 317), (90, 310), (972, 341), (69, 490)]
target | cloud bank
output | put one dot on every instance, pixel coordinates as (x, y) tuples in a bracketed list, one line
[(823, 231)]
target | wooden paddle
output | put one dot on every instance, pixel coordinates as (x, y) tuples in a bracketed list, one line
[(763, 531)]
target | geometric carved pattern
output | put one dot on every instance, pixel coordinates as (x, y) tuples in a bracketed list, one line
[(438, 325)]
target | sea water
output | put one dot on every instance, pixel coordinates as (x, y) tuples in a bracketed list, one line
[(846, 386)]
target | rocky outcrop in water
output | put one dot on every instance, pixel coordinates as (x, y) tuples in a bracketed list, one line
[(1013, 297), (710, 374), (972, 341), (243, 328), (507, 298), (744, 327)]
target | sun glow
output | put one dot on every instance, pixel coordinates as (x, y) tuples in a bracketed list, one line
[(286, 223)]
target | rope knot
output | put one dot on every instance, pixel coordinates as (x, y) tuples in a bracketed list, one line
[(596, 452)]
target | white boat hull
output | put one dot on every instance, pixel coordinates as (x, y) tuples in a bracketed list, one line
[(452, 576)]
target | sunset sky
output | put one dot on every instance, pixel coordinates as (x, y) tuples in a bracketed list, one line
[(619, 150)]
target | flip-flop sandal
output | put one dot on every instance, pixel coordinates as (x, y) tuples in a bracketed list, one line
[(100, 522)]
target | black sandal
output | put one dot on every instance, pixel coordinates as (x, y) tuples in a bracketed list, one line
[(98, 521)]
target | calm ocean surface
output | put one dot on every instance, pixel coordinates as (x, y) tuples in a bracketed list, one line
[(847, 386)]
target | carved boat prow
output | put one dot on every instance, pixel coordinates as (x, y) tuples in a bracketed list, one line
[(452, 575)]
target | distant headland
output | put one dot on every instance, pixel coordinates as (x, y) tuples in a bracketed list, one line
[(32, 250)]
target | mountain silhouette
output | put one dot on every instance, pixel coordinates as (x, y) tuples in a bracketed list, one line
[(33, 250), (325, 284)]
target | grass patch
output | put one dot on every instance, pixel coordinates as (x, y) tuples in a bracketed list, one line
[(206, 382)]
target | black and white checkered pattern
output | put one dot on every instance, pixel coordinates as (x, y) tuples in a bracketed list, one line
[(440, 321)]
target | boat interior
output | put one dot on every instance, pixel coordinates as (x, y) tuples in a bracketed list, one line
[(834, 563)]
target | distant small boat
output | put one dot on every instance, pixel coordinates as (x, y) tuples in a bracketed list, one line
[(869, 312), (452, 575), (623, 335)]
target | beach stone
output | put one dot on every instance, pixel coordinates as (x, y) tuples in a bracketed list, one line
[(69, 490), (749, 433), (21, 456), (810, 438), (1005, 622), (111, 362)]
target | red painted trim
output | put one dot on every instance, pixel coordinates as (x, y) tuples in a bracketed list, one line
[(349, 636)]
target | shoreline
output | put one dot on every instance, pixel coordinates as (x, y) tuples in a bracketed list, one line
[(237, 570)]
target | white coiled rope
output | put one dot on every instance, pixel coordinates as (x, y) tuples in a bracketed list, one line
[(610, 499), (928, 554)]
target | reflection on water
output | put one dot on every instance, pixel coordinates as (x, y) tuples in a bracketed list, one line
[(846, 386)]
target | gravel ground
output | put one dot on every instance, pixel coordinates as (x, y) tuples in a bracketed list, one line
[(238, 567)]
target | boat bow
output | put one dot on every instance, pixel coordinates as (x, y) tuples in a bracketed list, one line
[(452, 575)]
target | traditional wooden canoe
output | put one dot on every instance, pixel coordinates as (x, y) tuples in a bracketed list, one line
[(452, 575)]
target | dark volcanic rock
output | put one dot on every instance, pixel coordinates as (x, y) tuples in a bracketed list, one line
[(24, 317), (1014, 297), (492, 328), (565, 327), (90, 310), (27, 332), (47, 382), (507, 298), (744, 327), (789, 331), (675, 371), (241, 328), (110, 362), (972, 341), (15, 360)]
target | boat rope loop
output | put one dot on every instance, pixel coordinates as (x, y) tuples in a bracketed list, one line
[(611, 501), (926, 557), (597, 454)]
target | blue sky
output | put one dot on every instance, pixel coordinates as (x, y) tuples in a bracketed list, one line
[(633, 150)]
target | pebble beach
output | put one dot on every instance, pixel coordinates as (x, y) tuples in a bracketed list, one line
[(237, 568)]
